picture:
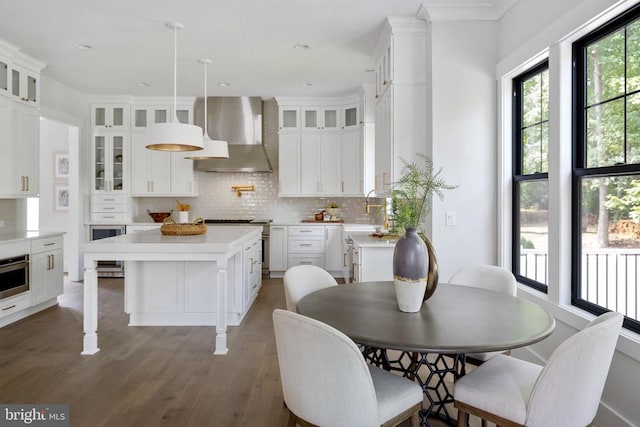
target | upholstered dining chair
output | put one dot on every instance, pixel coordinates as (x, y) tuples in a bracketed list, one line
[(302, 280), (488, 277), (564, 393), (326, 381)]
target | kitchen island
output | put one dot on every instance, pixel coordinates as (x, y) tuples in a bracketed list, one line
[(178, 280)]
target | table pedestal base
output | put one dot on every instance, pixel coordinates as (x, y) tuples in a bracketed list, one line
[(431, 379)]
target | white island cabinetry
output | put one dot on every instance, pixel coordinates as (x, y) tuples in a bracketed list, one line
[(178, 280)]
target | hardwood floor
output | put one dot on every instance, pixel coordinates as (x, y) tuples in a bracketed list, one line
[(145, 376)]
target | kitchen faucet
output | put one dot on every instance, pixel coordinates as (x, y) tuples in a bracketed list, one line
[(368, 206)]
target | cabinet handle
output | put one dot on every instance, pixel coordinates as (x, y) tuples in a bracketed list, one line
[(384, 180), (344, 260), (8, 308), (108, 208), (306, 262), (343, 186), (305, 244), (26, 178), (305, 231), (251, 271), (49, 244)]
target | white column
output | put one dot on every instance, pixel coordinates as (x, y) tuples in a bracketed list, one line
[(221, 310), (90, 341)]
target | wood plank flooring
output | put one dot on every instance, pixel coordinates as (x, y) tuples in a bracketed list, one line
[(145, 376)]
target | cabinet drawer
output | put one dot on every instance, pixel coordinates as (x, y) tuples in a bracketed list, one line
[(105, 208), (305, 245), (108, 199), (305, 259), (15, 304), (109, 217), (296, 230), (46, 244)]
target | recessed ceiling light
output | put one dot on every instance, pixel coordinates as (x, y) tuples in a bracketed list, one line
[(224, 84), (84, 46), (301, 46), (307, 84), (143, 84)]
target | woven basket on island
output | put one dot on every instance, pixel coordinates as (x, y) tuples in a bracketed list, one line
[(171, 228)]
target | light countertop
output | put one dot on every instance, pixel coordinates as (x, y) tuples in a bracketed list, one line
[(217, 239), (17, 236), (364, 239)]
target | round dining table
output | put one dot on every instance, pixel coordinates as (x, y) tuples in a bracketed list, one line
[(455, 321)]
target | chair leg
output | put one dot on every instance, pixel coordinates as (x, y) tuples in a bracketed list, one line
[(415, 419), (463, 418), (291, 422)]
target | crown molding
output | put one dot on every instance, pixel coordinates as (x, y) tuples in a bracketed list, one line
[(440, 11)]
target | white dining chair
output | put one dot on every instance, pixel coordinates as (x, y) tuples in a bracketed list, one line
[(564, 393), (302, 280), (488, 277), (326, 381)]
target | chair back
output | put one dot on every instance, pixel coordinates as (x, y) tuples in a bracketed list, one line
[(302, 280), (325, 379), (488, 277), (568, 390)]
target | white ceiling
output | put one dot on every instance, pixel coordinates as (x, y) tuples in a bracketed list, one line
[(250, 42)]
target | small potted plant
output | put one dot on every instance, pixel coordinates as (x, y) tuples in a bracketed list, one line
[(410, 202), (333, 210)]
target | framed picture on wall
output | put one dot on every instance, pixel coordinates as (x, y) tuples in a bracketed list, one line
[(61, 197), (61, 165)]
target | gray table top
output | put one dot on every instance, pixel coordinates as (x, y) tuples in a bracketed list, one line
[(456, 319)]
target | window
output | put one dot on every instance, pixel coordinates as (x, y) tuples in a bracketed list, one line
[(606, 171), (530, 178)]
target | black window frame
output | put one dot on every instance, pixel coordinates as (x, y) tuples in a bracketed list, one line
[(579, 143), (517, 175)]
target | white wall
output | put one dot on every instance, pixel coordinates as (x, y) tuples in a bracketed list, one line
[(463, 139), (54, 138), (527, 32)]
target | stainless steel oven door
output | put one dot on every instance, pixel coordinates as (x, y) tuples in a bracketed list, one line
[(14, 276)]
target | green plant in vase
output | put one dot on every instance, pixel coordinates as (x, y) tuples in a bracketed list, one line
[(411, 198)]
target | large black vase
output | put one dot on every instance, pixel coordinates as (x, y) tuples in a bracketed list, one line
[(410, 271)]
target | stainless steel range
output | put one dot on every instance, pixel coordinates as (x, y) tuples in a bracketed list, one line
[(250, 221)]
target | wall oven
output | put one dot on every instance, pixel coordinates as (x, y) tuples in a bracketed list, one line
[(113, 268), (14, 276)]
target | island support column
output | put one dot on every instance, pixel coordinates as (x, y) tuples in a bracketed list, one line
[(221, 309), (90, 341)]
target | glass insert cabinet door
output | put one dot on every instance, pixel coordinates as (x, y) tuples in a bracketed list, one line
[(99, 143), (117, 153)]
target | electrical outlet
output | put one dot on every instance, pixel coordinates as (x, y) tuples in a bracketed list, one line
[(450, 219)]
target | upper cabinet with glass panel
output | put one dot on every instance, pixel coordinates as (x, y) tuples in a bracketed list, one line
[(320, 118), (20, 77), (110, 116)]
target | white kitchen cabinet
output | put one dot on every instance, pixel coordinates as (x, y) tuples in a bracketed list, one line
[(4, 75), (46, 269), (319, 164), (351, 116), (373, 263), (25, 85), (305, 245), (110, 116), (278, 238), (351, 163), (182, 176), (252, 280), (143, 116), (150, 169), (110, 162), (333, 248), (289, 165), (289, 118), (20, 145), (402, 102), (320, 118)]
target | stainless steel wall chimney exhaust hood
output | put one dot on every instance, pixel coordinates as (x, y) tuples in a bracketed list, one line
[(237, 120)]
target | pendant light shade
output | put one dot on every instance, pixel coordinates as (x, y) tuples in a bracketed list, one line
[(213, 149), (174, 136)]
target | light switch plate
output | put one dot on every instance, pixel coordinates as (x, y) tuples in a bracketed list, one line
[(450, 219)]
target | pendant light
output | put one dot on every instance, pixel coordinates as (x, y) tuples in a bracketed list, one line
[(213, 149), (174, 136)]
